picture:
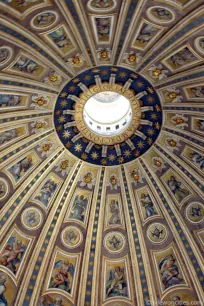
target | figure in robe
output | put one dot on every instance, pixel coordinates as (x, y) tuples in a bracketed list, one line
[(175, 186), (78, 210), (12, 254), (148, 205), (63, 276), (169, 271)]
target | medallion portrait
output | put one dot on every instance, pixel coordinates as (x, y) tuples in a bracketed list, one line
[(195, 212), (71, 237), (114, 242), (44, 20), (31, 218), (157, 233)]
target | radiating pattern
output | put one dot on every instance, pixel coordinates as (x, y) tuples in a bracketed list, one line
[(83, 221)]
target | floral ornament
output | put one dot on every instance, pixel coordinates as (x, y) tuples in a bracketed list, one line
[(63, 166), (46, 148), (104, 54), (76, 61), (39, 102), (87, 180), (53, 79), (173, 94), (38, 126), (136, 176), (113, 182), (179, 121), (132, 57), (157, 72), (172, 144), (158, 164)]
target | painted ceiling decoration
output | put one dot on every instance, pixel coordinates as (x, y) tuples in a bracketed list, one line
[(101, 210), (136, 139)]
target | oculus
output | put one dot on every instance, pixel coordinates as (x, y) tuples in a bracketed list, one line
[(107, 113)]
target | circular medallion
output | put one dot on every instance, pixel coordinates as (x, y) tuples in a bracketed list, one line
[(195, 212), (157, 233), (44, 20), (108, 115), (31, 218), (114, 242), (71, 237), (3, 189), (160, 14)]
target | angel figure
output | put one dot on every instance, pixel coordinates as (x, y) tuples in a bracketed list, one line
[(172, 144), (198, 159), (136, 177), (9, 100), (63, 276), (180, 121), (87, 180), (158, 164), (146, 33), (12, 254), (25, 64), (175, 186), (8, 135), (115, 213), (64, 167), (113, 182), (116, 284), (197, 92), (21, 167), (103, 27), (169, 271), (60, 38), (79, 207), (182, 57), (148, 205), (47, 192)]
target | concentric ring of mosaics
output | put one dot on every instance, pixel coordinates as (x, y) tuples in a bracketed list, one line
[(133, 141)]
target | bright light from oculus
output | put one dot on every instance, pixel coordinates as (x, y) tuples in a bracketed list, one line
[(107, 113)]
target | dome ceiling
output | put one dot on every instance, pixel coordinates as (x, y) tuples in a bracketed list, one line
[(99, 219)]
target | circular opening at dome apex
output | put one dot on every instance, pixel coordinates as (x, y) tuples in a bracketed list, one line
[(107, 113)]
